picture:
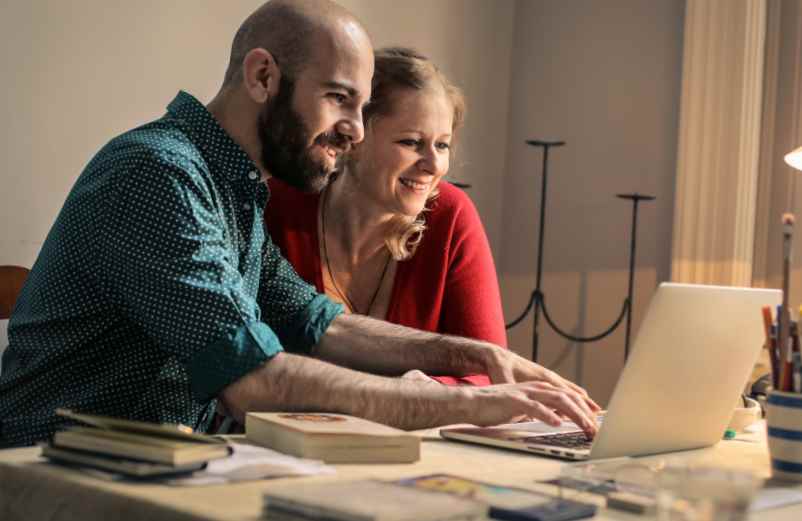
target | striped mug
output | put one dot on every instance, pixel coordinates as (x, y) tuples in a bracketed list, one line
[(784, 426)]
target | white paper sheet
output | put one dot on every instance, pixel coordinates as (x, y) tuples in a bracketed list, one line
[(251, 462)]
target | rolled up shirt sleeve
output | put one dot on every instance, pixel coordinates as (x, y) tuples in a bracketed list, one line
[(172, 265), (293, 308)]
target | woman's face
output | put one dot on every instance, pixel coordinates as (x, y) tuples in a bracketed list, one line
[(406, 153)]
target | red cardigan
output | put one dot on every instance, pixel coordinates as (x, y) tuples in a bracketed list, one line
[(448, 286)]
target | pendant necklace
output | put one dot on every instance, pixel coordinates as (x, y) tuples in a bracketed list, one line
[(331, 273)]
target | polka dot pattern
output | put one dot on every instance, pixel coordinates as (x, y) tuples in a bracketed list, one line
[(156, 287)]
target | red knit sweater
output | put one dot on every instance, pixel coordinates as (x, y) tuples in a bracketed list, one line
[(448, 286)]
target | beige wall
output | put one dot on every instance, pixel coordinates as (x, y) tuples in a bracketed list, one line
[(87, 70), (780, 185), (602, 75), (79, 73)]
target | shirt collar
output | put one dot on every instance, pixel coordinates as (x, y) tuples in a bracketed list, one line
[(223, 154)]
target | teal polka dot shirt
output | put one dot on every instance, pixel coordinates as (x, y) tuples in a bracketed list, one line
[(156, 287)]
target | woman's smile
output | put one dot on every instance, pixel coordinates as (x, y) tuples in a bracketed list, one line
[(417, 186)]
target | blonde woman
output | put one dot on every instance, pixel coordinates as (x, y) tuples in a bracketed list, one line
[(389, 237)]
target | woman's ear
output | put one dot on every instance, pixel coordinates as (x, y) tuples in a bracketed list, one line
[(260, 75)]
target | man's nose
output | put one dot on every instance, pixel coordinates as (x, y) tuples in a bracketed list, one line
[(352, 128)]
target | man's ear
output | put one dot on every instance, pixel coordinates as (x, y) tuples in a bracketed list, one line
[(260, 75)]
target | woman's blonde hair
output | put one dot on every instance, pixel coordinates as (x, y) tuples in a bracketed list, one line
[(403, 68)]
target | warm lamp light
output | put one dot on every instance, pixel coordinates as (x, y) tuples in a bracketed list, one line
[(794, 158)]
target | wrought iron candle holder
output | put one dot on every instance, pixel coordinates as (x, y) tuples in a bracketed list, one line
[(537, 301)]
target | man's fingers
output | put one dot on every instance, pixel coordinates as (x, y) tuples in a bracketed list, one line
[(552, 396), (577, 401), (543, 413), (559, 381), (582, 391), (581, 401), (576, 388), (595, 407), (586, 398), (564, 403)]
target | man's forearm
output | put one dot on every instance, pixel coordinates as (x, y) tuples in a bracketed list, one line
[(380, 347), (295, 383)]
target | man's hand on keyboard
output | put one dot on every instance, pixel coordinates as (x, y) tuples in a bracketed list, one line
[(507, 403), (504, 366)]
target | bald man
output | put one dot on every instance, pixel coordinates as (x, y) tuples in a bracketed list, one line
[(158, 295)]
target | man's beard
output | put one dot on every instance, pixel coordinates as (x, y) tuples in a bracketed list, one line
[(284, 139)]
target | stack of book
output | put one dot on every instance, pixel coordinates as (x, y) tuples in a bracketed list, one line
[(132, 448)]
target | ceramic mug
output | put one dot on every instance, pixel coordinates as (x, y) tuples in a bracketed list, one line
[(784, 428)]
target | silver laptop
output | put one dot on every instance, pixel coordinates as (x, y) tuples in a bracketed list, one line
[(690, 361)]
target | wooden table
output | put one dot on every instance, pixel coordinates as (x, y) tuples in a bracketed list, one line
[(31, 489)]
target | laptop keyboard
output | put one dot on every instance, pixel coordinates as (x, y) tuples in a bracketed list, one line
[(568, 440)]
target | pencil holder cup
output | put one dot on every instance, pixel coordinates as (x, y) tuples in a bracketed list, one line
[(784, 427)]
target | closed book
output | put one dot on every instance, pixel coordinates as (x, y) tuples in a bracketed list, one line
[(367, 500), (169, 444), (333, 438), (127, 467)]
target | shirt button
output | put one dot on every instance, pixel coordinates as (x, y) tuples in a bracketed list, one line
[(246, 206), (253, 175)]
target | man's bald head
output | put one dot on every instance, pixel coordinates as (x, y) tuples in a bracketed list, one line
[(289, 30), (294, 90)]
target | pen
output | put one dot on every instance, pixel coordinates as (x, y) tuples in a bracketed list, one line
[(786, 359), (771, 345), (775, 350), (783, 319), (778, 349)]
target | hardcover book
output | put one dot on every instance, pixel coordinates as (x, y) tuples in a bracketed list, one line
[(127, 467), (333, 438)]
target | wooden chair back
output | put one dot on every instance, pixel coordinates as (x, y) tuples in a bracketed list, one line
[(11, 280)]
